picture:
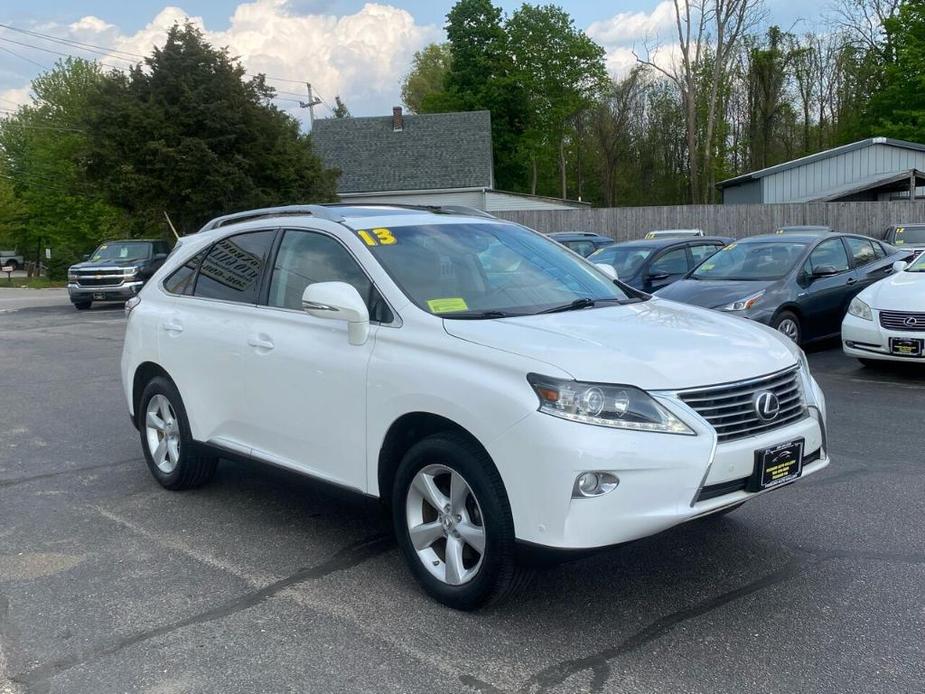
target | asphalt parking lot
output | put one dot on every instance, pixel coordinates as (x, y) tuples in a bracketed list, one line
[(266, 582)]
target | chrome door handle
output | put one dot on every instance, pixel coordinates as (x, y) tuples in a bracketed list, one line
[(173, 327), (851, 280), (260, 342)]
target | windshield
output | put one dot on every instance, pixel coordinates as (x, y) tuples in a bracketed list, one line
[(912, 235), (121, 251), (626, 261), (473, 270), (754, 260)]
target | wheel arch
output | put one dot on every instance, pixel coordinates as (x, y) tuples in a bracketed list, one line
[(402, 434), (143, 374)]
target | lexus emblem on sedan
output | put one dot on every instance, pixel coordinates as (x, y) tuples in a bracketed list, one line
[(911, 321), (767, 405)]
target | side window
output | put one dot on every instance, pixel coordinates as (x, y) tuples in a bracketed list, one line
[(304, 258), (862, 250), (181, 280), (703, 251), (673, 262), (832, 253), (232, 269), (878, 250)]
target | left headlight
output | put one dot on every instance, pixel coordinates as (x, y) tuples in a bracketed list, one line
[(860, 309), (130, 271), (616, 406), (744, 304), (71, 276)]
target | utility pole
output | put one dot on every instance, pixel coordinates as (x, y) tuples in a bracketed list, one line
[(310, 105)]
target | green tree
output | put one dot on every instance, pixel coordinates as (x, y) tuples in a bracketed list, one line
[(190, 134), (563, 74), (44, 147), (897, 109), (427, 76), (340, 108)]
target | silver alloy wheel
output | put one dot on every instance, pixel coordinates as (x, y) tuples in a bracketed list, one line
[(445, 524), (789, 328), (163, 433)]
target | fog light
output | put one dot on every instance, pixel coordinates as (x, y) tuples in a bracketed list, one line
[(594, 484)]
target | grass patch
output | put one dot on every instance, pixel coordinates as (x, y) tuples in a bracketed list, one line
[(31, 282)]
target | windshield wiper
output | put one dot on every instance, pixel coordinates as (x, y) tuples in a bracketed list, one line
[(483, 315)]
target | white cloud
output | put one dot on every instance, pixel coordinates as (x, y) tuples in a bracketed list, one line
[(627, 34), (10, 99), (360, 56)]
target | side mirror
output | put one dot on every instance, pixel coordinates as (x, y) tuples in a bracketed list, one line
[(338, 301), (900, 265), (607, 269), (825, 271)]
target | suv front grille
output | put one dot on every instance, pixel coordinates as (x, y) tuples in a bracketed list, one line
[(731, 410), (901, 320)]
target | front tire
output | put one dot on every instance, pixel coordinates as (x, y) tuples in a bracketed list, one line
[(170, 452), (453, 523), (788, 324)]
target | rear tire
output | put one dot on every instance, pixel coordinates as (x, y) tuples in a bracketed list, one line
[(450, 471), (788, 324), (173, 457), (82, 305)]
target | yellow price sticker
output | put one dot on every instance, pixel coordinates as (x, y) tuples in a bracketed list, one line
[(450, 305), (377, 237)]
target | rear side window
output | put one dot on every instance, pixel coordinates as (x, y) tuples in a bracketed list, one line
[(232, 269), (879, 251), (829, 253), (862, 250), (181, 280), (673, 262), (703, 251), (306, 257), (584, 248)]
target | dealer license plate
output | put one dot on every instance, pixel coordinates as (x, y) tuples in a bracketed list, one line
[(99, 296), (906, 346), (778, 465)]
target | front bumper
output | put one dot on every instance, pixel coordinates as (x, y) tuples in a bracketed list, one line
[(867, 339), (118, 292), (661, 475)]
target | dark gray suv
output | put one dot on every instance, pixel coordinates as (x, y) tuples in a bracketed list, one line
[(116, 271)]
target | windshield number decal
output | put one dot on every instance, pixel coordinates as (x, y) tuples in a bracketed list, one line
[(449, 305), (376, 237)]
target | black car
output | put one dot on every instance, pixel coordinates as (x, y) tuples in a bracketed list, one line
[(584, 243), (116, 271), (799, 284), (652, 264)]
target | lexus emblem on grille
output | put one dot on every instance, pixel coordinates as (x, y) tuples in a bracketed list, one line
[(911, 321), (767, 406)]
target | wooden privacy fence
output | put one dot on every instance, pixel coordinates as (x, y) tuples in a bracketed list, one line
[(624, 223)]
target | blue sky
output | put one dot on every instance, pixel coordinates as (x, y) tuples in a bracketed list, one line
[(350, 48)]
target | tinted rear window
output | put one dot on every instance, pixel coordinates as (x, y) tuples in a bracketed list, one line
[(181, 280), (233, 267)]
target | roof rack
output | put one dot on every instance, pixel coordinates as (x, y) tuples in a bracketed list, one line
[(464, 210), (319, 211)]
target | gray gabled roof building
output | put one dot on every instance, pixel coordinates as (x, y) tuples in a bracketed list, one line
[(421, 159), (877, 168)]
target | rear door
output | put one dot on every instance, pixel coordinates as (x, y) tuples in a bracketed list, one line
[(203, 336), (869, 261), (824, 300)]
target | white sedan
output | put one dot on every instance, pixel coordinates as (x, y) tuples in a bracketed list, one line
[(886, 321)]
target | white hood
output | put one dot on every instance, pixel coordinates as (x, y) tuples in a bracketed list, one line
[(655, 345), (903, 291)]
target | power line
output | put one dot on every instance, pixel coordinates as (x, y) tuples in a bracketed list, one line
[(66, 55), (72, 42), (28, 60)]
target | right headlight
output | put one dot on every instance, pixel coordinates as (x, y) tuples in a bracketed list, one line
[(606, 405), (860, 309)]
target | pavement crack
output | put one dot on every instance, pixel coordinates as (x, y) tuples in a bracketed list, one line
[(69, 471), (479, 685), (342, 560), (599, 663)]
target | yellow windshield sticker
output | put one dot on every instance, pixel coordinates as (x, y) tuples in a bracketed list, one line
[(447, 305), (376, 237), (730, 246), (650, 235)]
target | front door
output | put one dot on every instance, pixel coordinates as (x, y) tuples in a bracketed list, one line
[(307, 383), (667, 267), (823, 300)]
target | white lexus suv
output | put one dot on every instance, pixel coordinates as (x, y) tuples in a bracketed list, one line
[(495, 390)]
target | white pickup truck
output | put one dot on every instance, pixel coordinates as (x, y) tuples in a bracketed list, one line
[(10, 259)]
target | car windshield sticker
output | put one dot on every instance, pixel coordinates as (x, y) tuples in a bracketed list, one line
[(450, 305), (377, 237)]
